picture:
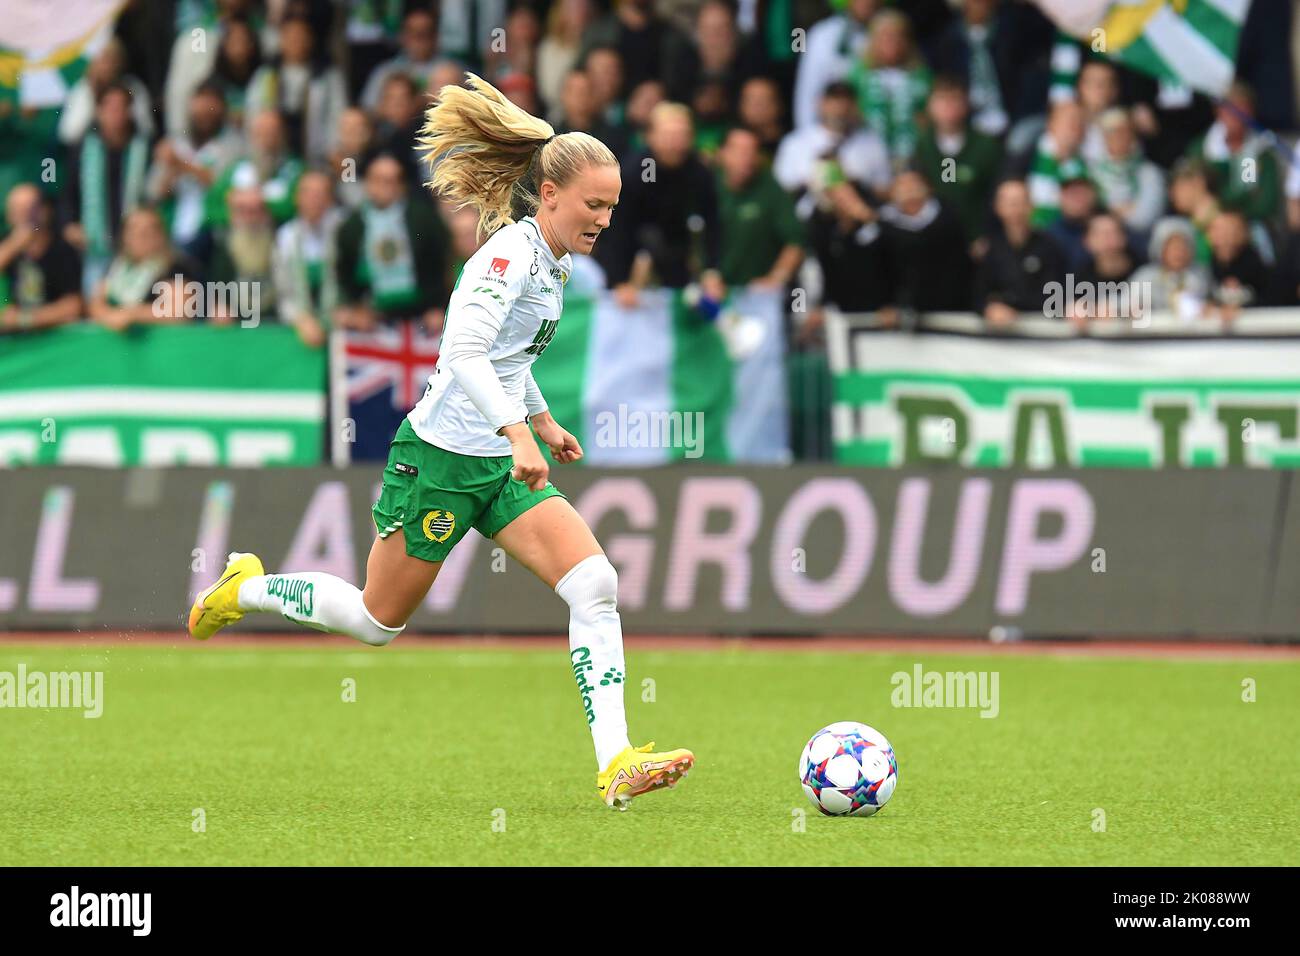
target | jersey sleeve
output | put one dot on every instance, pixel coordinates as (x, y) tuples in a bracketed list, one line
[(534, 401), (487, 288)]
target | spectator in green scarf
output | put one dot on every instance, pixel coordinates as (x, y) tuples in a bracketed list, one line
[(392, 255), (1056, 159), (105, 181), (146, 281), (268, 165), (892, 84), (306, 282)]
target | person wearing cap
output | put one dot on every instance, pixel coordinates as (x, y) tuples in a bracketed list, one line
[(1078, 204)]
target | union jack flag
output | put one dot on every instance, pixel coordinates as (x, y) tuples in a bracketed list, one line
[(401, 358)]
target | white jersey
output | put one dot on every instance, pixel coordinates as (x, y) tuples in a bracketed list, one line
[(503, 312)]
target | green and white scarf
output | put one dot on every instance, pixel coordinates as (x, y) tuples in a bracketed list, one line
[(184, 208), (313, 282), (94, 190), (1067, 60), (386, 256), (1046, 174), (989, 117), (890, 99), (1116, 179), (131, 283)]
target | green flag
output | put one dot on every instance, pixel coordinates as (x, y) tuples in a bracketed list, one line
[(659, 383), (1192, 42)]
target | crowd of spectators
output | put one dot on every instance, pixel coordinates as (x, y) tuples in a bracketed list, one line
[(915, 156)]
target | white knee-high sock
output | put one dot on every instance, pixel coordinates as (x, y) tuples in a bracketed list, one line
[(318, 600), (596, 651)]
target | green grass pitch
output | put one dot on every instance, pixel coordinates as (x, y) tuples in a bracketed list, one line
[(439, 741)]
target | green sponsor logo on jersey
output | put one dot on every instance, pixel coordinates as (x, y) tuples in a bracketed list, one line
[(545, 332)]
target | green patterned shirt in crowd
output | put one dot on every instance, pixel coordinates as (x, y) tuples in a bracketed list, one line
[(1046, 173), (891, 100)]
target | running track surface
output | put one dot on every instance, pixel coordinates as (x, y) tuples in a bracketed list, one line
[(1137, 647)]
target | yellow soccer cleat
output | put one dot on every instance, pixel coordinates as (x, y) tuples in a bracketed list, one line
[(218, 606), (639, 770)]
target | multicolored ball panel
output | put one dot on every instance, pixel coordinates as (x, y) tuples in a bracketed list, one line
[(848, 769)]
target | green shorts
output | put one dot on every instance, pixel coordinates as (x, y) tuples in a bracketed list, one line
[(434, 496)]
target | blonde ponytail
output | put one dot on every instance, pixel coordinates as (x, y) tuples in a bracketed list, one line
[(486, 152)]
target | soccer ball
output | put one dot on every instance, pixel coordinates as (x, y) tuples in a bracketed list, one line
[(848, 769)]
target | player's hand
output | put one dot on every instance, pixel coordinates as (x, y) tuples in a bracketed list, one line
[(530, 467), (564, 447)]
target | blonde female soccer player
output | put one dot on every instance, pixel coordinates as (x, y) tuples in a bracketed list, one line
[(464, 457)]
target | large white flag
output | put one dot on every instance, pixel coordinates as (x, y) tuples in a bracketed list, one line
[(45, 45)]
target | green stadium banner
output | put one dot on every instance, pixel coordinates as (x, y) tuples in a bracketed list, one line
[(903, 399), (193, 395)]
